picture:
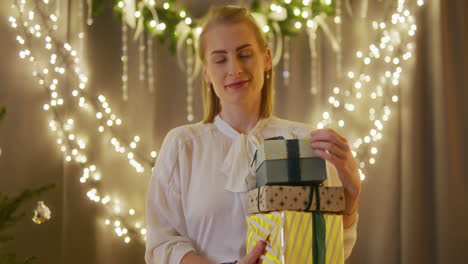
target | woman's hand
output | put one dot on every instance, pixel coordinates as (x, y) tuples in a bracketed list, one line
[(254, 255), (331, 146), (252, 258)]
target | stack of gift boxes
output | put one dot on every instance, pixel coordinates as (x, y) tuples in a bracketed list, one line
[(289, 207)]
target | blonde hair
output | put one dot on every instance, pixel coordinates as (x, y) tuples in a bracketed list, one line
[(233, 15)]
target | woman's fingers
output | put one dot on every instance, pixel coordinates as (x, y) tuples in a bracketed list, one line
[(329, 135), (330, 147), (330, 157), (255, 254), (328, 131)]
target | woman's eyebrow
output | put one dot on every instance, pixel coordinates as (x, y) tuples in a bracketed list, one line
[(243, 46), (224, 51)]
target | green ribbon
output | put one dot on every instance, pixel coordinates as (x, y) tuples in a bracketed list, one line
[(318, 238), (318, 227), (294, 161), (313, 189), (255, 153)]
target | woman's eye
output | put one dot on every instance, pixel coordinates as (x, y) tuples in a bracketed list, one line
[(220, 60), (245, 54)]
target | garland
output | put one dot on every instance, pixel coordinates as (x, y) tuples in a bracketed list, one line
[(162, 19)]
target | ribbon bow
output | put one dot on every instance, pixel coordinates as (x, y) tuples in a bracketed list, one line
[(236, 164)]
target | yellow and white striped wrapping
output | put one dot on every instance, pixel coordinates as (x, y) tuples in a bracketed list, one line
[(289, 237)]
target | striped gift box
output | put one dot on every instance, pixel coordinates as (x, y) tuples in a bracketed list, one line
[(293, 237)]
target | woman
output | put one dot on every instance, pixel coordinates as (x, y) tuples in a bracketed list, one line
[(197, 198)]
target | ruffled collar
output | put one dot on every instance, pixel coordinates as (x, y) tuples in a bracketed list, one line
[(236, 165)]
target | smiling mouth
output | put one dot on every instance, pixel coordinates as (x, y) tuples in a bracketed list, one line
[(236, 84)]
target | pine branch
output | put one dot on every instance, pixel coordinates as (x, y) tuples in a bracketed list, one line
[(2, 112), (8, 218), (11, 258), (9, 206)]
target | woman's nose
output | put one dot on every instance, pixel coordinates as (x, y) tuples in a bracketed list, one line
[(235, 67)]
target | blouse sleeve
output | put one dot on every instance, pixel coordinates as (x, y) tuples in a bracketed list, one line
[(164, 214), (350, 233)]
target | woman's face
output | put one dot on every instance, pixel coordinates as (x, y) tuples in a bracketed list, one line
[(235, 64)]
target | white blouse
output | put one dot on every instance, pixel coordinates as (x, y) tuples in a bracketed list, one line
[(197, 199)]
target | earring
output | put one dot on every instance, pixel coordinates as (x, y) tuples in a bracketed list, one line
[(210, 87), (268, 75)]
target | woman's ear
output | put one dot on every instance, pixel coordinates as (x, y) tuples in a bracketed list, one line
[(205, 75)]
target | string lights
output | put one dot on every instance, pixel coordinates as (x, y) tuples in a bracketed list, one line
[(141, 55), (189, 68), (35, 24), (339, 38), (124, 59), (383, 60), (150, 63), (286, 61)]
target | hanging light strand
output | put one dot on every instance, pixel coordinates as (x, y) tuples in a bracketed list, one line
[(70, 143)]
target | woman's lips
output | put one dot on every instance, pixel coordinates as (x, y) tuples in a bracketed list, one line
[(237, 84)]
